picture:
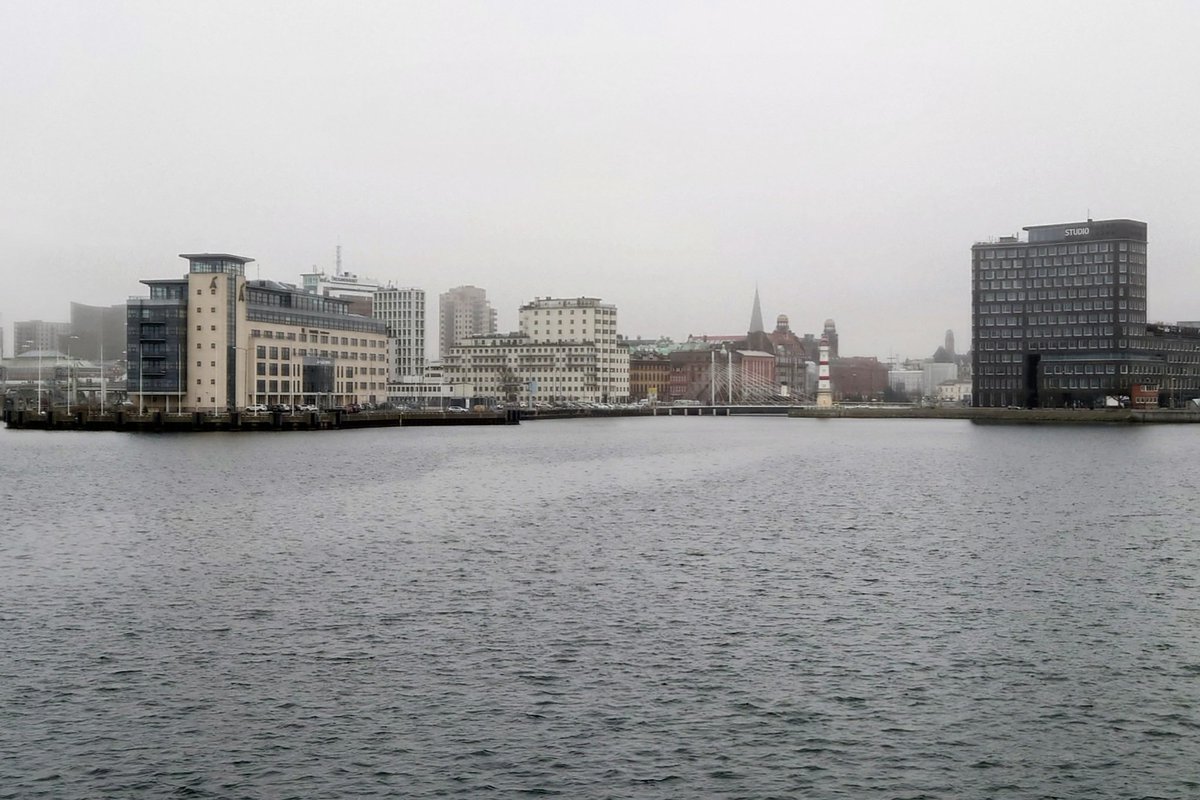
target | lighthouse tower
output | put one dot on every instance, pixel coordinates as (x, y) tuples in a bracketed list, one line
[(824, 390)]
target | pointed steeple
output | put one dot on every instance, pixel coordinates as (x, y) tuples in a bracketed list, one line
[(756, 323)]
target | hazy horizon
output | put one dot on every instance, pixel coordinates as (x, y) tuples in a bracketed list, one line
[(668, 158)]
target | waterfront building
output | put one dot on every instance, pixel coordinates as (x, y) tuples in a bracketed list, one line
[(1059, 318), (431, 390), (649, 376), (214, 341), (463, 311), (37, 334), (403, 312), (566, 350), (61, 379), (953, 392)]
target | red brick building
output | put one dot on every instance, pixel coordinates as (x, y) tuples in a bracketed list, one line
[(858, 378), (649, 377)]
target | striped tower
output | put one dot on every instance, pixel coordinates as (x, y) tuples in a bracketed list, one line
[(824, 390)]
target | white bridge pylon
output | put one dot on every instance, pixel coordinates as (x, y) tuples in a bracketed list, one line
[(726, 386)]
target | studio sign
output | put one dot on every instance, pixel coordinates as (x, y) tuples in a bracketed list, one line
[(1077, 232)]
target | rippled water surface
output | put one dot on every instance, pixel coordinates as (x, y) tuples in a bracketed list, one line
[(659, 608)]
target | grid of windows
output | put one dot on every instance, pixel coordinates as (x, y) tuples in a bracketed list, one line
[(1043, 309)]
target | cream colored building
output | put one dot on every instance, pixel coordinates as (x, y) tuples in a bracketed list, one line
[(214, 341), (566, 350)]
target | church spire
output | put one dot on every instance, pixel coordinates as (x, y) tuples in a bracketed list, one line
[(756, 323)]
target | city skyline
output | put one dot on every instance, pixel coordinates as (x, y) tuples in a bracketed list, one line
[(667, 158)]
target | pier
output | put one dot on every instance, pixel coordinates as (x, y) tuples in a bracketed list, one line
[(161, 422)]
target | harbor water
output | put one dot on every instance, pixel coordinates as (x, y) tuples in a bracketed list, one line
[(605, 608)]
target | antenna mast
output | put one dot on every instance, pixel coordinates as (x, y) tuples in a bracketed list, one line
[(339, 259)]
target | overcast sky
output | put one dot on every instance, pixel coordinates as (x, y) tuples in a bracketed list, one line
[(666, 157)]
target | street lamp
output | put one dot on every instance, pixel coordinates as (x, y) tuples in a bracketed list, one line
[(69, 392), (39, 380)]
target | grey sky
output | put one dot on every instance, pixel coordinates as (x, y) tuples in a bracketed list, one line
[(665, 157)]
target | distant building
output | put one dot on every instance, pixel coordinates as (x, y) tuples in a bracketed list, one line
[(791, 359), (909, 382), (934, 374), (566, 349), (37, 334), (98, 331), (953, 392), (649, 376), (722, 372), (462, 312), (403, 311), (60, 379), (831, 335), (359, 293), (213, 341), (858, 378)]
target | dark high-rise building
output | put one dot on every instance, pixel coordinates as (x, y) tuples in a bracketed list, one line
[(1060, 319)]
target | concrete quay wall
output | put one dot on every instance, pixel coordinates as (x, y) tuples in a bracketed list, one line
[(159, 422), (1031, 416)]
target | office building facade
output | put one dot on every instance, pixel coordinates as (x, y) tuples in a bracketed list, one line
[(214, 341), (403, 313), (1059, 319)]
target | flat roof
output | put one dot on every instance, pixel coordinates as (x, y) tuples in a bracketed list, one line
[(215, 257), (1082, 224)]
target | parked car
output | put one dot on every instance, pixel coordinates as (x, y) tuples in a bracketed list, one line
[(282, 408), (457, 409), (257, 408)]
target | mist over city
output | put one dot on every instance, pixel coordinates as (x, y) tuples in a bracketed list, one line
[(666, 158), (599, 400)]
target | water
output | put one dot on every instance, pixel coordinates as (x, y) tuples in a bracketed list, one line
[(643, 608)]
